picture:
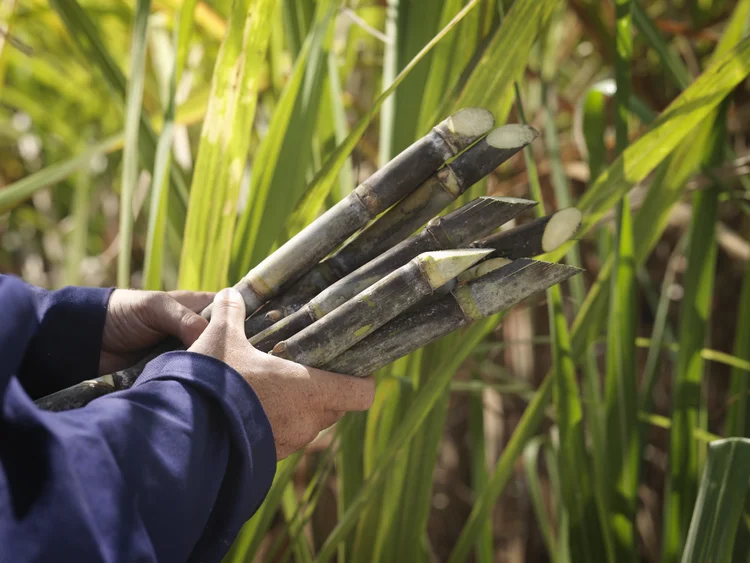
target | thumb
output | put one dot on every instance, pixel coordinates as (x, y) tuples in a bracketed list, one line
[(228, 310)]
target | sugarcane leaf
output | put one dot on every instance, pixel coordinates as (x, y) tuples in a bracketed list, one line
[(719, 505), (665, 423), (449, 59), (672, 63), (374, 528), (303, 510), (39, 112), (427, 397), (621, 405), (479, 471), (289, 139), (667, 187), (224, 144), (133, 103), (417, 21), (661, 331), (350, 471), (594, 125), (395, 391), (531, 471), (79, 235), (688, 407), (158, 209), (81, 27), (290, 506), (391, 49), (334, 114), (490, 84), (575, 470), (411, 508), (21, 190), (318, 189), (672, 126), (526, 429), (298, 17)]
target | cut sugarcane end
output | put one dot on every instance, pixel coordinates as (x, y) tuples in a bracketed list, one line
[(561, 228), (274, 316), (471, 122), (482, 269), (443, 265), (280, 351), (107, 380), (512, 136)]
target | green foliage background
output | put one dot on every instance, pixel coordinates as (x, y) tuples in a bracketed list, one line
[(165, 144)]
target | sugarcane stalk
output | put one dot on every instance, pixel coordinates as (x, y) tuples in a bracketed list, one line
[(333, 332), (537, 237), (482, 269), (82, 393), (457, 229), (540, 236), (77, 396), (435, 194), (384, 188), (469, 302)]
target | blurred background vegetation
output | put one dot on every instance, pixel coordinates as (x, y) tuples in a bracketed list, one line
[(172, 143)]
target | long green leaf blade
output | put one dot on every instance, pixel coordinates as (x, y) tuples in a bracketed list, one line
[(621, 396), (719, 506), (223, 147), (158, 209), (738, 422), (671, 127), (16, 193), (684, 455), (524, 432), (130, 150), (289, 139), (319, 188)]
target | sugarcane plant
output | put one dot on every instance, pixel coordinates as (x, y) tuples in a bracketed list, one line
[(356, 289)]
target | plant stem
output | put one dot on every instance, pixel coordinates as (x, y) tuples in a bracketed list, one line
[(475, 300)]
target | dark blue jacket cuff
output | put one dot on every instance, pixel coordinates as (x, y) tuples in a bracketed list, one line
[(249, 426), (67, 346)]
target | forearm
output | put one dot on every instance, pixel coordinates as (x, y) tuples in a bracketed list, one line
[(167, 470)]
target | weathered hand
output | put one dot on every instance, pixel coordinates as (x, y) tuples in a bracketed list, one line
[(137, 320), (299, 401)]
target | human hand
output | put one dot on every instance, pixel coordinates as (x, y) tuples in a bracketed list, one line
[(299, 401), (137, 320)]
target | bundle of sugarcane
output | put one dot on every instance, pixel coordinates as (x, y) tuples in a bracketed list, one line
[(318, 300)]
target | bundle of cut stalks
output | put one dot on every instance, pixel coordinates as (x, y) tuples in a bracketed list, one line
[(355, 307)]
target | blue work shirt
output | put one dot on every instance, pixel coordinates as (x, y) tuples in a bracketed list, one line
[(168, 470)]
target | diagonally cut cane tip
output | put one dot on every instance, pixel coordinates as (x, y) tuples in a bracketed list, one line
[(513, 136), (443, 265), (561, 228), (471, 122)]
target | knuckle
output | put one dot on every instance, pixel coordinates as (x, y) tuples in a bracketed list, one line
[(230, 304), (190, 320), (369, 387), (157, 298)]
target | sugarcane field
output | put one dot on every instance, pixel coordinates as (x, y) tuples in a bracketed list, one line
[(375, 281)]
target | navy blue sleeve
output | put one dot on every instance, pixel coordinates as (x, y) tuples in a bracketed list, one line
[(66, 344), (166, 471)]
